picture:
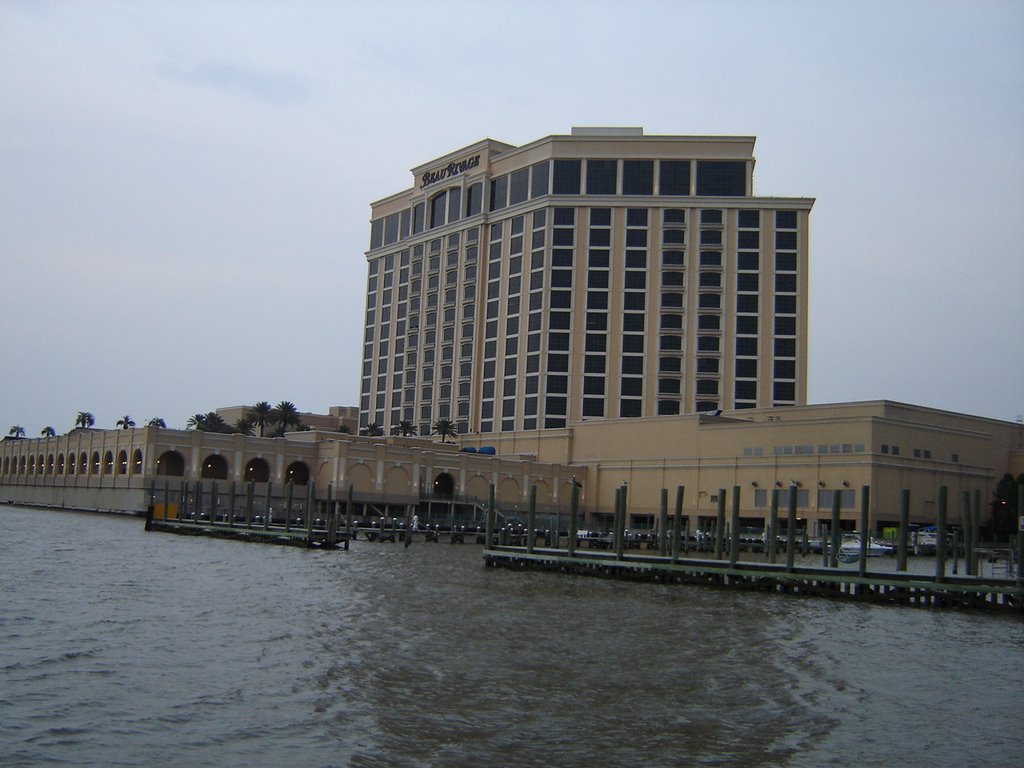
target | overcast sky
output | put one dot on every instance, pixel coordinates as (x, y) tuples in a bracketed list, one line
[(185, 186)]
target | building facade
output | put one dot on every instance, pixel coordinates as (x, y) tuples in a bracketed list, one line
[(603, 274)]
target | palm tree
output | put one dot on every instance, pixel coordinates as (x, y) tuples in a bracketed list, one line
[(17, 432), (157, 422), (126, 422), (373, 429), (405, 429), (345, 429), (261, 414), (196, 421), (445, 428), (286, 415), (84, 419), (214, 422), (48, 432), (244, 426)]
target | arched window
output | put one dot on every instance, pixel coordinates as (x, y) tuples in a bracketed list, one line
[(49, 464), (122, 462), (444, 485), (95, 462), (215, 467), (297, 473), (60, 463), (108, 463), (83, 464), (136, 462), (257, 471), (170, 464)]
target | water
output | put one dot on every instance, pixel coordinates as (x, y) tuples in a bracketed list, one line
[(122, 648)]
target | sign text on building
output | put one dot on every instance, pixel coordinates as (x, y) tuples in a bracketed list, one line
[(452, 169)]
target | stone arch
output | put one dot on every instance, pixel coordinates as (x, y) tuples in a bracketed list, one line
[(396, 482), (443, 486), (83, 463), (5, 469), (122, 462), (170, 464), (136, 468), (22, 466), (297, 472), (71, 464), (323, 478), (257, 471), (543, 492), (360, 477), (108, 463), (31, 465), (60, 463), (214, 467), (509, 491), (95, 463), (479, 487), (49, 464), (39, 464)]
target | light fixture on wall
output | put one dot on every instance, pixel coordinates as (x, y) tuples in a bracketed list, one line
[(778, 483), (846, 483), (821, 483)]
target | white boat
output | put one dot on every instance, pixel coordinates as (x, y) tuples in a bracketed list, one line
[(850, 548)]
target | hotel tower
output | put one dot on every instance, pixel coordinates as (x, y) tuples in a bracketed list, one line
[(600, 275)]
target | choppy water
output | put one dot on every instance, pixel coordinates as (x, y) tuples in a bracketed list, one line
[(122, 648)]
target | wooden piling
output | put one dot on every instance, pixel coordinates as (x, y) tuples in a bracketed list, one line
[(663, 524), (901, 546), (531, 520), (734, 527), (791, 528), (332, 518), (250, 494), (677, 527), (1020, 538), (965, 526), (231, 504), (574, 506), (308, 511), (268, 506), (620, 521), (865, 531), (836, 530), (772, 545), (288, 505), (940, 540), (489, 523), (975, 528), (720, 525)]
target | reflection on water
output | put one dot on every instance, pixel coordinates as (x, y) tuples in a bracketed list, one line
[(126, 648)]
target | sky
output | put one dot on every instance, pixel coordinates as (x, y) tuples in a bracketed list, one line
[(185, 186)]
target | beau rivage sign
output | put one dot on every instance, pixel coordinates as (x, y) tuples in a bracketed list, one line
[(448, 171)]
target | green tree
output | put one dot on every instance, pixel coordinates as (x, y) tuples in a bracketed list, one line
[(157, 422), (196, 421), (84, 419), (445, 428), (261, 415), (405, 429), (345, 429), (17, 432), (286, 415), (214, 422), (1004, 507), (244, 426), (48, 432), (126, 422), (373, 429)]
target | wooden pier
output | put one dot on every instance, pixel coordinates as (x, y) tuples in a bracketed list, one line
[(877, 587)]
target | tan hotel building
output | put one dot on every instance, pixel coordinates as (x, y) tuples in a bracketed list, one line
[(603, 308), (598, 275)]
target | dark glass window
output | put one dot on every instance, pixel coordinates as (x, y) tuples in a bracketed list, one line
[(672, 279), (785, 262), (668, 386), (670, 365), (636, 217), (558, 341), (710, 217), (597, 300), (746, 368), (519, 186), (633, 343), (707, 365), (748, 238), (633, 365), (673, 237), (558, 362), (784, 390), (454, 206), (726, 178), (747, 261), (562, 236), (596, 342), (711, 237), (707, 387), (629, 409), (746, 302), (601, 176), (668, 408), (561, 278), (634, 300), (746, 390), (747, 282), (674, 177), (785, 326), (708, 322), (376, 233), (632, 387), (707, 343), (675, 216), (636, 280), (598, 258), (638, 177), (600, 237), (499, 193), (566, 178), (600, 217), (785, 283), (746, 347), (538, 185), (671, 301), (633, 323), (749, 219), (474, 199), (636, 238), (671, 343), (710, 301), (674, 258), (418, 223), (593, 385), (785, 347), (558, 384), (564, 217), (710, 258), (710, 279), (746, 324), (593, 406), (785, 240), (785, 369), (594, 364), (597, 279), (785, 219), (785, 305)]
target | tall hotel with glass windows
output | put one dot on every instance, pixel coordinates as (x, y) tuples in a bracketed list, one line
[(604, 274)]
